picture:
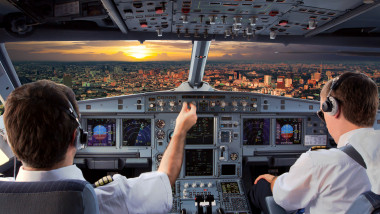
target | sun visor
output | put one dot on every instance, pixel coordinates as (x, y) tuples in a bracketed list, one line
[(5, 150)]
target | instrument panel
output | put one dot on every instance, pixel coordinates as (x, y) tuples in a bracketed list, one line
[(234, 129)]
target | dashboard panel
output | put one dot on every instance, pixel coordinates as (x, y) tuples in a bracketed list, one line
[(234, 130)]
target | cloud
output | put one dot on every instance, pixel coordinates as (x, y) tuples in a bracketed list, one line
[(171, 51)]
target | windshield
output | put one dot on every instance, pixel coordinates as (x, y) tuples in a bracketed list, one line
[(95, 69)]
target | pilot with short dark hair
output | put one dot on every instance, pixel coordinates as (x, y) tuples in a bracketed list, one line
[(328, 181), (44, 136)]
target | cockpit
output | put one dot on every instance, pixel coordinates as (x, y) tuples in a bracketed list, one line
[(243, 129)]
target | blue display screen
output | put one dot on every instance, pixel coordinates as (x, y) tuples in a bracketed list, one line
[(136, 132), (101, 132)]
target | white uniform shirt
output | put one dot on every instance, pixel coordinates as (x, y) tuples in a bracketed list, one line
[(324, 181), (149, 193), (367, 143)]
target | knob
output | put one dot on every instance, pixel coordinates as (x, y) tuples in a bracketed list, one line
[(244, 103), (185, 193), (212, 104), (201, 185), (152, 105), (209, 185), (194, 103), (161, 103), (194, 185), (172, 103), (234, 103), (186, 185), (223, 104)]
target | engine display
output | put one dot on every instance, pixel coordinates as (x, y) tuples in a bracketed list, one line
[(256, 131), (230, 187), (288, 131), (199, 162), (202, 132), (136, 132), (101, 132)]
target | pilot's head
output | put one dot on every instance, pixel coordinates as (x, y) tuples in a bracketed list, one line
[(355, 98), (39, 130)]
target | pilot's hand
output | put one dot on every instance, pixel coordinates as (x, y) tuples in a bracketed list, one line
[(186, 119), (267, 177)]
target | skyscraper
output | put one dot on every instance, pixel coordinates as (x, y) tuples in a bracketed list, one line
[(267, 80)]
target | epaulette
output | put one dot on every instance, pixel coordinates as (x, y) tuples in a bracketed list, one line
[(318, 148), (103, 181)]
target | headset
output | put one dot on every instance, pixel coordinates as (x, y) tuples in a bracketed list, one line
[(331, 105), (81, 136)]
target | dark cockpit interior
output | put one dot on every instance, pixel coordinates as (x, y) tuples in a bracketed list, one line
[(238, 135)]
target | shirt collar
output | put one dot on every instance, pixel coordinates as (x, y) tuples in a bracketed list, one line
[(68, 172), (345, 138)]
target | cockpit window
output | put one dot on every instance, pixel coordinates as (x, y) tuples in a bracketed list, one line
[(95, 69)]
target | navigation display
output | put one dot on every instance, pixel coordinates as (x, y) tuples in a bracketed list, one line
[(256, 131), (136, 132), (288, 131), (202, 132), (199, 162), (101, 132)]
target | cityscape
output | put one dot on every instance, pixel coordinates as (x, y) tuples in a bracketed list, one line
[(91, 80)]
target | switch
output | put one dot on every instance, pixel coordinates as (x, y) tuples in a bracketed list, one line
[(212, 19)]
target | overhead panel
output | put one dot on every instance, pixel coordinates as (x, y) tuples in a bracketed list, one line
[(202, 19)]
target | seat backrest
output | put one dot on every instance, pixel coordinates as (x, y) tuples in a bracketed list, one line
[(366, 203), (55, 197), (273, 207)]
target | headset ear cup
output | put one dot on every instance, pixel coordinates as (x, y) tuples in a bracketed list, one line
[(83, 136), (327, 105), (334, 106), (77, 139)]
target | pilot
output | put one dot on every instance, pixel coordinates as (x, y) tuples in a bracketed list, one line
[(328, 181), (43, 136)]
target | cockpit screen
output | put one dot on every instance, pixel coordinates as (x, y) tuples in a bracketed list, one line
[(136, 132), (199, 162), (288, 131), (202, 132), (230, 187), (256, 131), (101, 132)]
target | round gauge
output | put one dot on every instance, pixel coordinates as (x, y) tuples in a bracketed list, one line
[(234, 156), (160, 124), (159, 157), (160, 134)]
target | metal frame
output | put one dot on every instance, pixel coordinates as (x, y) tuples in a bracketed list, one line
[(8, 77), (344, 18)]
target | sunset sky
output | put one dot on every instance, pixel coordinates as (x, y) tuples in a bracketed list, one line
[(168, 51)]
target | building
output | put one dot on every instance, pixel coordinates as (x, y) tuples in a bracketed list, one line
[(267, 80), (280, 82), (288, 83)]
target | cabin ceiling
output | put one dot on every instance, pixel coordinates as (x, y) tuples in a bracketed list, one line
[(333, 22)]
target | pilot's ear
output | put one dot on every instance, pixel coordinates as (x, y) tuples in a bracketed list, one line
[(73, 138), (337, 113)]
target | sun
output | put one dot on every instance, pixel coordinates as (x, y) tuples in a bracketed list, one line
[(138, 52)]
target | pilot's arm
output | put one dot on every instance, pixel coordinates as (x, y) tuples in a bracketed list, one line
[(172, 159), (295, 189)]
